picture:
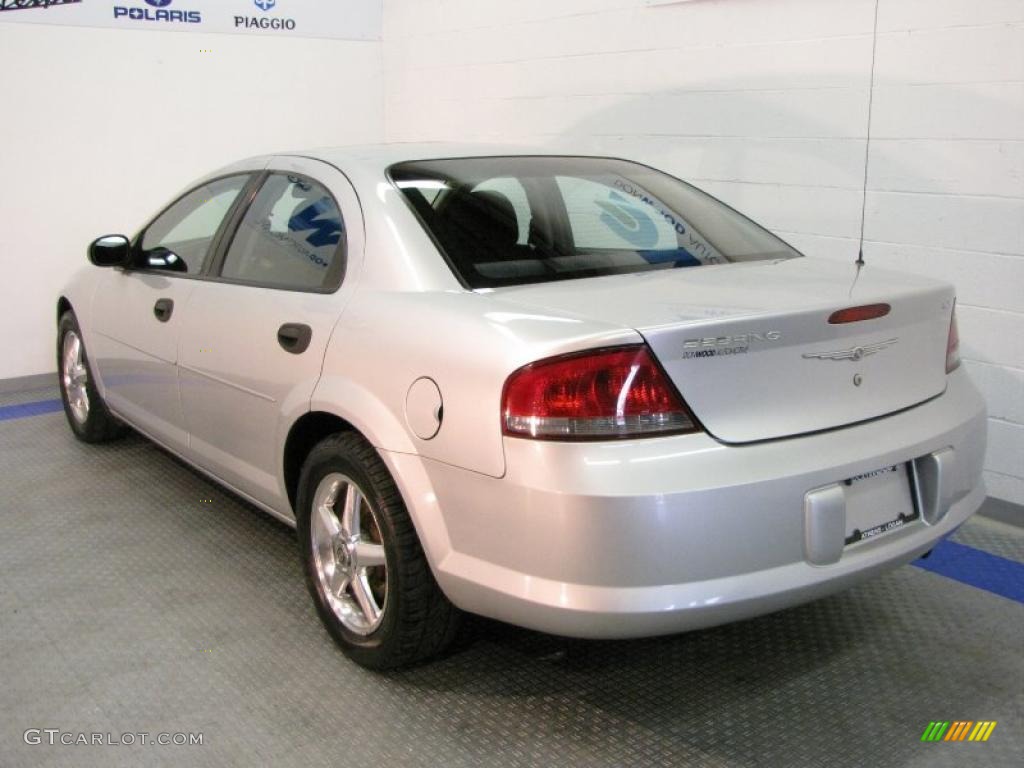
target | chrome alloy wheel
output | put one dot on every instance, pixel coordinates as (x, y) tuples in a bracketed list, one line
[(75, 376), (348, 554)]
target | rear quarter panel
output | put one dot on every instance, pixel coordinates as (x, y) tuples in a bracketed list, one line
[(467, 343)]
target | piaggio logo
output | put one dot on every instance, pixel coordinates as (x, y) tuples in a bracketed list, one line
[(265, 22), (958, 730)]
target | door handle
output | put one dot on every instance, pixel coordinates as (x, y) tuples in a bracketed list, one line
[(294, 337), (163, 309)]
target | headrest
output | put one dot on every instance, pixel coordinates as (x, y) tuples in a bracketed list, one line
[(486, 219)]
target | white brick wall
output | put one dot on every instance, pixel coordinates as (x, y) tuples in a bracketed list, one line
[(765, 104)]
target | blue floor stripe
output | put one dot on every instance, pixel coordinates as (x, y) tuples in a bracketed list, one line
[(976, 568), (23, 410)]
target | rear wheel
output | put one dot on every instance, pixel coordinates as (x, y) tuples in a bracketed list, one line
[(363, 562), (86, 412)]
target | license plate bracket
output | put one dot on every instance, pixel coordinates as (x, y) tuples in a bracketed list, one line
[(878, 503)]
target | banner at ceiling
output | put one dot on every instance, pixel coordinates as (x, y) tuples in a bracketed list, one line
[(338, 19)]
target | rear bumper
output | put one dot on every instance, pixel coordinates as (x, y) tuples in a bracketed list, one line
[(663, 535)]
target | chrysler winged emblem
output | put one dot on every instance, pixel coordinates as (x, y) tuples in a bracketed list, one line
[(854, 353)]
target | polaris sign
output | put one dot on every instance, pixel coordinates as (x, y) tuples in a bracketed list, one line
[(136, 13), (335, 19)]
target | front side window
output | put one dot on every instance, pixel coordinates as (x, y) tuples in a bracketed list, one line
[(179, 238), (514, 220), (292, 236)]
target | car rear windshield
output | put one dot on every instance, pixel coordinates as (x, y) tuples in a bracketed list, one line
[(512, 220)]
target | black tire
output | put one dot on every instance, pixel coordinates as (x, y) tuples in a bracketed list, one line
[(99, 426), (418, 621)]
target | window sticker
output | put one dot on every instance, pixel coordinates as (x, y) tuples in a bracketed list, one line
[(691, 244)]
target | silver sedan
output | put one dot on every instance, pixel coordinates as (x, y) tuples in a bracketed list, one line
[(572, 393)]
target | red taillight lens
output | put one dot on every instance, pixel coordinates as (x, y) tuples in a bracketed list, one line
[(953, 344), (857, 314), (601, 394)]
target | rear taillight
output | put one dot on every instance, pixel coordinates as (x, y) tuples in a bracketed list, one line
[(953, 344), (600, 394)]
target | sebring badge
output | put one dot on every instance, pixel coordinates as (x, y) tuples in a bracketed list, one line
[(718, 346), (854, 353)]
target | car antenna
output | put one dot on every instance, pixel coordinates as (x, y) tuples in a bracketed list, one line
[(867, 143)]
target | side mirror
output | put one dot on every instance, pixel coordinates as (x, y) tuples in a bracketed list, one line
[(110, 251)]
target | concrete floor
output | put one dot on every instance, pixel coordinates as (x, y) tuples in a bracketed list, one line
[(139, 597)]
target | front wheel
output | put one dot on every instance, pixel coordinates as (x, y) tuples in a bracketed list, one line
[(86, 412), (364, 566)]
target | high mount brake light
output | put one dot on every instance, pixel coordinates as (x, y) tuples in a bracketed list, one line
[(856, 314), (601, 394), (953, 344)]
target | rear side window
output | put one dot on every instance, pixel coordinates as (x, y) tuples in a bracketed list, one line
[(513, 220), (292, 236), (179, 238)]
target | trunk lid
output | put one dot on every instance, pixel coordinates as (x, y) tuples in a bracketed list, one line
[(750, 348)]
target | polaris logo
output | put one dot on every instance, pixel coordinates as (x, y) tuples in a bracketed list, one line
[(145, 14)]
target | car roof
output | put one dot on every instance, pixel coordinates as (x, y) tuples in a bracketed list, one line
[(377, 157)]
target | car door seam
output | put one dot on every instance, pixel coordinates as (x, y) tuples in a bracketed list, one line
[(227, 383)]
